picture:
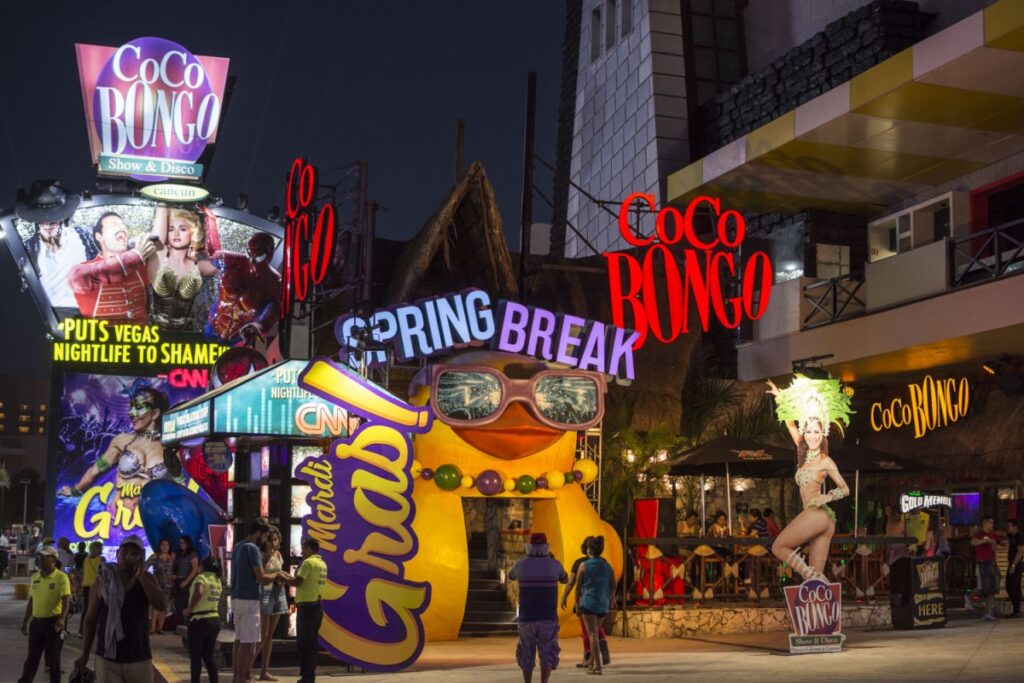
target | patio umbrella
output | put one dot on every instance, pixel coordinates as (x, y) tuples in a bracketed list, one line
[(858, 458), (726, 456)]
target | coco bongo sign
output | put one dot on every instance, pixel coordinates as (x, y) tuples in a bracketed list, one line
[(698, 272), (152, 107)]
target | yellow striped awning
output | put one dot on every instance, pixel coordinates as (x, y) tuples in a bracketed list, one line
[(949, 105)]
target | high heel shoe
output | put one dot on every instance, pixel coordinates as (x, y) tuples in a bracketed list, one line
[(800, 566)]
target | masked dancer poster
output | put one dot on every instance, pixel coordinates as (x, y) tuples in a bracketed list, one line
[(109, 448)]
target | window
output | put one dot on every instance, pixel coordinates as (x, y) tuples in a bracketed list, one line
[(714, 47), (595, 34), (627, 17), (609, 24)]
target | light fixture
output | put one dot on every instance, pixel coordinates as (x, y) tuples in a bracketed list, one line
[(243, 202), (709, 484), (987, 367), (741, 484), (629, 456)]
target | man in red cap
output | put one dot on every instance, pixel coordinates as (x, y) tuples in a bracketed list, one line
[(538, 575)]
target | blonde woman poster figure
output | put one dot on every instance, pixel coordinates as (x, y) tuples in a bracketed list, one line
[(808, 407), (177, 274)]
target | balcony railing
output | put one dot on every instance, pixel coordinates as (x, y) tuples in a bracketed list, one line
[(832, 300), (987, 254)]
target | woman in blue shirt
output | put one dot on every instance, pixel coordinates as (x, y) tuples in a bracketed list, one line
[(595, 594)]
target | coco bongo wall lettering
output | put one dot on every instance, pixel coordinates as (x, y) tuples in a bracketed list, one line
[(701, 274), (361, 512)]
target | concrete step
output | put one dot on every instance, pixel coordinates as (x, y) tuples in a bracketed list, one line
[(488, 616), (487, 628), (479, 564), (484, 584)]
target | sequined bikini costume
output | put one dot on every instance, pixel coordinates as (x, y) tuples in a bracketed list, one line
[(805, 475), (174, 297), (129, 465)]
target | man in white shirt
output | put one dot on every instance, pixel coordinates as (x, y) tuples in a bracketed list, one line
[(55, 247), (5, 553)]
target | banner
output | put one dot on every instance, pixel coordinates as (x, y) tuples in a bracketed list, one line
[(121, 261), (816, 613), (109, 447), (361, 511)]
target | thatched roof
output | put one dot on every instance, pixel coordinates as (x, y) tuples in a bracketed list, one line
[(462, 245)]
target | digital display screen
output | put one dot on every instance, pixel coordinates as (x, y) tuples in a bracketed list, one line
[(966, 509)]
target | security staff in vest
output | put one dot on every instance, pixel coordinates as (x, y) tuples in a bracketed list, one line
[(47, 608), (309, 584)]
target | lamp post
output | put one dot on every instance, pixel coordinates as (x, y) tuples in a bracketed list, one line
[(24, 501)]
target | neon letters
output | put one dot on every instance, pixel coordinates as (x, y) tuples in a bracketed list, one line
[(697, 276), (454, 321), (932, 404), (306, 256)]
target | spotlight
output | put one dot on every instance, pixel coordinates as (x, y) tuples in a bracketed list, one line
[(812, 371), (243, 202), (275, 214)]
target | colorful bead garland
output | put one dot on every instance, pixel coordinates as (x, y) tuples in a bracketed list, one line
[(490, 483)]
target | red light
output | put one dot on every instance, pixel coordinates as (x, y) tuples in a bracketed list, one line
[(298, 274)]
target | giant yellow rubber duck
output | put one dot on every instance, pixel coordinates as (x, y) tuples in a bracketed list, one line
[(503, 422)]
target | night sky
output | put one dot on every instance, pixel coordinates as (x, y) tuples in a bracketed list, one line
[(335, 82)]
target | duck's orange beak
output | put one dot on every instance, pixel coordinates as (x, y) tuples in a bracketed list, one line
[(512, 436)]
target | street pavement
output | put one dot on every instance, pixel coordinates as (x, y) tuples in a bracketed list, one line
[(966, 650)]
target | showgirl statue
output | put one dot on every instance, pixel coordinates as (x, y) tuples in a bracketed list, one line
[(808, 407)]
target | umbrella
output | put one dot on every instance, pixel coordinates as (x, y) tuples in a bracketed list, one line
[(866, 459), (728, 455)]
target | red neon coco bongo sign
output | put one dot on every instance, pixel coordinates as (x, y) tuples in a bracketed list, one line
[(697, 272), (302, 270)]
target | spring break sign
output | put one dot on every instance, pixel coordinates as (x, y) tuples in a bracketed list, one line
[(361, 512), (151, 107)]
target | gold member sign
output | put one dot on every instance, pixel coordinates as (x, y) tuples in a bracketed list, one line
[(89, 341)]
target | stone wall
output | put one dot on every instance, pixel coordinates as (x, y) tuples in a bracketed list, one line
[(682, 622), (846, 47)]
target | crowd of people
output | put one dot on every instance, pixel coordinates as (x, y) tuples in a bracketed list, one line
[(144, 593)]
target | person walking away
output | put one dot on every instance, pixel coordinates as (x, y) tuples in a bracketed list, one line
[(273, 601), (309, 583), (186, 568), (90, 569), (1015, 564), (45, 616), (118, 611), (595, 593), (204, 619), (163, 563), (984, 542), (538, 575), (246, 575), (5, 553), (603, 643)]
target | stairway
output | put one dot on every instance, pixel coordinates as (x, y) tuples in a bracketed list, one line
[(487, 610)]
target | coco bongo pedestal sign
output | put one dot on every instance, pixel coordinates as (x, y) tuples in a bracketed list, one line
[(816, 612)]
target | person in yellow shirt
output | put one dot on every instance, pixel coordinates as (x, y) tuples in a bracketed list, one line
[(309, 583), (90, 569), (45, 616), (203, 617)]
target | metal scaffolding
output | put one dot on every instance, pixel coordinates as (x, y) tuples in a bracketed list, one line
[(589, 445)]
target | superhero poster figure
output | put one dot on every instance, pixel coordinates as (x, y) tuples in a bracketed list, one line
[(247, 305)]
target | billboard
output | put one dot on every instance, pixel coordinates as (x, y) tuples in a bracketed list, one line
[(122, 260), (108, 448), (151, 107)]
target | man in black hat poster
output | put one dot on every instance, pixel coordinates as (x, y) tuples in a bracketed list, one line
[(55, 247)]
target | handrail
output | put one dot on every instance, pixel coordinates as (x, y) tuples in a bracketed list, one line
[(990, 250), (835, 299)]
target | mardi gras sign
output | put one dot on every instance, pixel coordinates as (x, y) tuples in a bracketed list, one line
[(932, 404), (701, 273), (816, 613), (152, 107), (454, 321), (361, 512)]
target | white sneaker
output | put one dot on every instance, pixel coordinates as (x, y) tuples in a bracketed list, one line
[(988, 617), (967, 602)]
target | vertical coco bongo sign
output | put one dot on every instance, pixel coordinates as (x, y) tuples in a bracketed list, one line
[(361, 512)]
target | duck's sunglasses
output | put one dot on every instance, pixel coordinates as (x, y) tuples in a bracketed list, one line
[(475, 395)]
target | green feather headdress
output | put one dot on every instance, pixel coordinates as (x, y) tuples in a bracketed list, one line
[(809, 398)]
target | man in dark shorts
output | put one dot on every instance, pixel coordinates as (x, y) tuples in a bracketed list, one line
[(984, 542), (1014, 566), (538, 575)]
